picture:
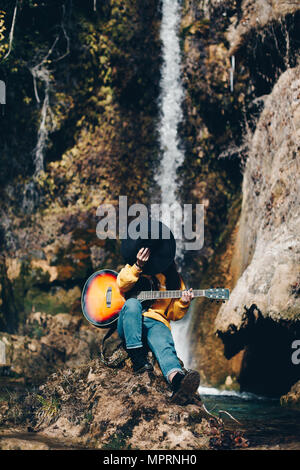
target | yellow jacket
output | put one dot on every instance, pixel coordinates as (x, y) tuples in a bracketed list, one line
[(163, 310)]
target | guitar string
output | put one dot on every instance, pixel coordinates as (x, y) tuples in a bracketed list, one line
[(153, 295)]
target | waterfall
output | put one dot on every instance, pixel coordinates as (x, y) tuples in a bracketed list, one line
[(40, 72), (31, 194), (171, 96), (231, 72), (43, 74)]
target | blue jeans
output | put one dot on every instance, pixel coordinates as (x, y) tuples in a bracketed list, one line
[(133, 328)]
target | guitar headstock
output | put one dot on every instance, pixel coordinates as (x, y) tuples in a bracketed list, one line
[(217, 294)]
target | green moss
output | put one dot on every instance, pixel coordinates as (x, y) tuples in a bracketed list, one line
[(57, 300), (35, 331), (116, 442), (88, 417), (119, 439)]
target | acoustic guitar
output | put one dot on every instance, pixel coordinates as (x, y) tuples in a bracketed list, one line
[(102, 301)]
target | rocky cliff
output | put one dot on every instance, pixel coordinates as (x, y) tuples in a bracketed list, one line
[(256, 51), (263, 313)]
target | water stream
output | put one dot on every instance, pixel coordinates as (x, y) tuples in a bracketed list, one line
[(264, 421)]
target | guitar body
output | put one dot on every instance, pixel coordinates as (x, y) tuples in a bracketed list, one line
[(102, 301)]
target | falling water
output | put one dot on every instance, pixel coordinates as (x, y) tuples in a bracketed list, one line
[(31, 194), (231, 72), (42, 134), (40, 72), (171, 96)]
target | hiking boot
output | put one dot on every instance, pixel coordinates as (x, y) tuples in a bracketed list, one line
[(139, 360), (145, 368), (184, 386)]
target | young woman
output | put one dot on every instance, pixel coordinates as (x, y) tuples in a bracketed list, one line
[(138, 328)]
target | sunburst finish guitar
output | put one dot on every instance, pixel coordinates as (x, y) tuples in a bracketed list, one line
[(102, 301)]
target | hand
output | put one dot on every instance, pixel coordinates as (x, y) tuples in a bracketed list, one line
[(142, 257), (187, 296)]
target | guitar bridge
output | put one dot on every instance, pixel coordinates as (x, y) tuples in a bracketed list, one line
[(108, 297)]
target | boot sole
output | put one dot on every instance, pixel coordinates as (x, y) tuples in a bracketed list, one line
[(188, 387), (145, 368)]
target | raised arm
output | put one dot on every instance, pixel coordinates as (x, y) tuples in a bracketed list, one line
[(129, 275)]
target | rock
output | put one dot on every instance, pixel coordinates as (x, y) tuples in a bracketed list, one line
[(50, 342), (228, 381), (65, 321), (95, 406), (268, 239), (263, 312), (257, 14), (2, 354), (292, 397), (39, 317), (10, 443)]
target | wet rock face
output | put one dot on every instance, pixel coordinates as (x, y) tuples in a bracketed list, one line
[(264, 36), (212, 135), (268, 242), (293, 397), (258, 123), (256, 15)]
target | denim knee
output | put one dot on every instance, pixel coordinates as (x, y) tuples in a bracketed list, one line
[(133, 306), (130, 323)]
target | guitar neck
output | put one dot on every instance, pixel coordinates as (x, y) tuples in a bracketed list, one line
[(167, 294)]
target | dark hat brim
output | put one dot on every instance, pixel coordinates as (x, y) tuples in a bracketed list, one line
[(162, 250)]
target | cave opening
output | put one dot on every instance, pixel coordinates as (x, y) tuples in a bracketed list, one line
[(267, 367)]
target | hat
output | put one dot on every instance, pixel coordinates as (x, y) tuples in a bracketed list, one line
[(156, 236)]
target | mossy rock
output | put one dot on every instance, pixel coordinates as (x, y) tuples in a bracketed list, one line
[(56, 300)]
